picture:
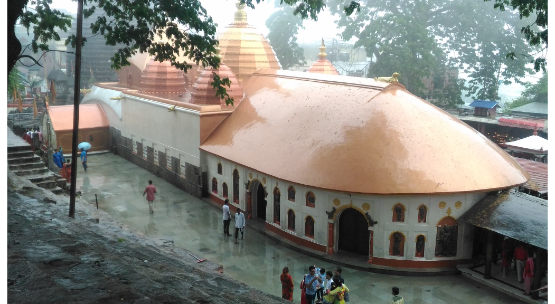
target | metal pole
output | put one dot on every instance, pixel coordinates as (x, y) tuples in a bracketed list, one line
[(76, 96), (96, 198)]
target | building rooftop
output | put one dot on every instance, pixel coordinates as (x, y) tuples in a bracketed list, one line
[(484, 104), (357, 135), (532, 108)]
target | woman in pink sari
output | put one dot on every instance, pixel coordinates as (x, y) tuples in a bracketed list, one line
[(528, 274)]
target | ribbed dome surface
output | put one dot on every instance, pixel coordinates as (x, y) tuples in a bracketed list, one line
[(204, 93), (244, 49), (161, 78)]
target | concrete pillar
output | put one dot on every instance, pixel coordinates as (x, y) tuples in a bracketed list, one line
[(489, 252), (538, 272)]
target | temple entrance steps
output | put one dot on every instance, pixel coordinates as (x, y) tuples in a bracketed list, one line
[(23, 162)]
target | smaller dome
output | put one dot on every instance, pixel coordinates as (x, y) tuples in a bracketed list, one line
[(204, 93), (322, 65), (161, 78)]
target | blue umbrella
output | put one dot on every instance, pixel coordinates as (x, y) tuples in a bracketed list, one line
[(84, 145)]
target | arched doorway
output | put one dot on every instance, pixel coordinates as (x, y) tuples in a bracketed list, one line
[(260, 202), (354, 236)]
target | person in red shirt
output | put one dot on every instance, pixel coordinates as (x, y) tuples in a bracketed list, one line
[(520, 257), (150, 190), (528, 273)]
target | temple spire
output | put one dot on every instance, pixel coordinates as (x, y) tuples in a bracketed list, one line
[(322, 48), (240, 14)]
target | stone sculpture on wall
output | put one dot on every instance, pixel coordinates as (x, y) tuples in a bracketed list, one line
[(371, 222), (331, 213)]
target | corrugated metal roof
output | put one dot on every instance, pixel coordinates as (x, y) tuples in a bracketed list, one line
[(514, 214), (483, 104), (523, 123), (538, 174), (533, 108)]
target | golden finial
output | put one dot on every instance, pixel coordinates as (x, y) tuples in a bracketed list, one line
[(240, 14), (171, 108), (322, 55), (449, 211)]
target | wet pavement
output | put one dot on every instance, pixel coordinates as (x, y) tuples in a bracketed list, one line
[(257, 261)]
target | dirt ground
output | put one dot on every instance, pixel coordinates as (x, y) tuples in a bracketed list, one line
[(93, 259)]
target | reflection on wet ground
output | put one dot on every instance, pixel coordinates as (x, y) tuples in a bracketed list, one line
[(256, 261)]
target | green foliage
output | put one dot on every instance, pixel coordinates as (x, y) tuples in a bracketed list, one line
[(284, 27), (532, 34), (414, 37), (14, 82), (218, 84), (533, 93)]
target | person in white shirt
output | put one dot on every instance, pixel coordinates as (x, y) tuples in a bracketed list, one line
[(226, 217), (239, 224)]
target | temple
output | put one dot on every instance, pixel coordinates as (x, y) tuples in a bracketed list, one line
[(329, 162)]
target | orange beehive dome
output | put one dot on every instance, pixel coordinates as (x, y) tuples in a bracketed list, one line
[(244, 49), (322, 65), (161, 78)]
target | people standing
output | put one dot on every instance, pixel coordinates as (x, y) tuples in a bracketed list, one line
[(337, 272), (528, 273), (520, 257), (84, 159), (320, 287), (397, 299), (286, 284), (239, 224), (150, 190), (310, 281), (226, 217), (339, 292)]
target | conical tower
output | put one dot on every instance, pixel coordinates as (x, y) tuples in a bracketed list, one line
[(244, 49)]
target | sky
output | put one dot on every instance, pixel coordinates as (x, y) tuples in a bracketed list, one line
[(222, 12)]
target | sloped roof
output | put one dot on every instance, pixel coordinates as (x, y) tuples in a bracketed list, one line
[(357, 135), (538, 175), (532, 108), (90, 116), (517, 215), (523, 123), (532, 143), (483, 104)]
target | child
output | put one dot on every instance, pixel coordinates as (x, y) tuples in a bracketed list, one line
[(320, 288)]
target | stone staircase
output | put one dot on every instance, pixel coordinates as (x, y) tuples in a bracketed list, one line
[(24, 163)]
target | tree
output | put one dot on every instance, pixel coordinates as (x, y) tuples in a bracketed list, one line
[(34, 83), (534, 35), (533, 93), (151, 17), (284, 27), (420, 38), (14, 82)]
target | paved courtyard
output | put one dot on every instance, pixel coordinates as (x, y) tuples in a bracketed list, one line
[(257, 261)]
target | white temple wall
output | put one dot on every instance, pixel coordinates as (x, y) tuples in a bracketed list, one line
[(379, 207)]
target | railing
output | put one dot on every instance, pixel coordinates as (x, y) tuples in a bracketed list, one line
[(20, 116)]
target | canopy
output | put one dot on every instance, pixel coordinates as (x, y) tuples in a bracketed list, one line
[(514, 214), (532, 144)]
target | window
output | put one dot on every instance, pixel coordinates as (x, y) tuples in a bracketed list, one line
[(398, 213), (309, 227), (224, 190), (219, 168), (90, 137), (310, 199), (420, 246), (277, 197), (235, 186), (291, 193), (291, 220), (214, 185), (422, 212), (397, 244), (446, 237)]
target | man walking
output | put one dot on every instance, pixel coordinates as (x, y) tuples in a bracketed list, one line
[(150, 190), (310, 283), (239, 224), (226, 217), (83, 159)]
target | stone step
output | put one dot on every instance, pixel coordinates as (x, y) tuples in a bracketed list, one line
[(19, 154), (61, 182), (19, 148), (56, 190), (47, 184), (41, 178), (32, 171), (29, 165), (22, 160)]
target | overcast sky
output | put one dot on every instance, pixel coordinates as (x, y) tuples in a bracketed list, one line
[(222, 12)]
